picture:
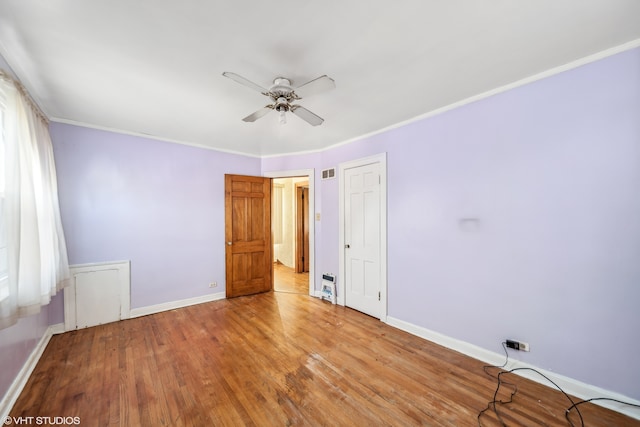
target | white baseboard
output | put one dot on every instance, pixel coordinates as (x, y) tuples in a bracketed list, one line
[(21, 379), (56, 329), (158, 308), (569, 385)]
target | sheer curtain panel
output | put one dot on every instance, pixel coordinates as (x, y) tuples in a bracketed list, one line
[(34, 253)]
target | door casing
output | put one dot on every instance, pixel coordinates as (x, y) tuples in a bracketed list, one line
[(310, 173), (302, 227)]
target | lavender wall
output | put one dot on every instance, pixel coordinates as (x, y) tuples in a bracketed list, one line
[(16, 344), (160, 205), (550, 172)]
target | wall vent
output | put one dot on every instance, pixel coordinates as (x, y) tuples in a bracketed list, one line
[(329, 173)]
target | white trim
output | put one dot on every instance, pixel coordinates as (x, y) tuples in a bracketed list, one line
[(569, 385), (543, 75), (16, 387), (382, 160), (548, 73), (309, 173), (124, 270), (57, 329), (149, 136), (166, 306), (98, 264)]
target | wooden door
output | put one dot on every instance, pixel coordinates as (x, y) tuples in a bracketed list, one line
[(362, 239), (302, 229), (249, 268)]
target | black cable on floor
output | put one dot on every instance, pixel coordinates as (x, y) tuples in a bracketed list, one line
[(493, 403), (575, 405)]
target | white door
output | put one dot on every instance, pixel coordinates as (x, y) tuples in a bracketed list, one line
[(362, 239)]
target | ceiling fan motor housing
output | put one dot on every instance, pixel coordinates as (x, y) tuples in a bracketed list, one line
[(282, 93), (281, 85)]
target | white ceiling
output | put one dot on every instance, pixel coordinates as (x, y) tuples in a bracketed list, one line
[(154, 67)]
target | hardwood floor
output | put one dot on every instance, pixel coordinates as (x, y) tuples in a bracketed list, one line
[(285, 279), (273, 359)]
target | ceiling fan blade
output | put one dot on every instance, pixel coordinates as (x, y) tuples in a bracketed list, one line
[(319, 85), (306, 115), (243, 81), (261, 112)]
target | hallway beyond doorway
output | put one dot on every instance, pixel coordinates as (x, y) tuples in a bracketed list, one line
[(285, 279)]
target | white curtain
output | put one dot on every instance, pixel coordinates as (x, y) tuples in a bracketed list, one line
[(36, 252)]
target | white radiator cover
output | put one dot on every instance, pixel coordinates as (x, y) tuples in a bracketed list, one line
[(99, 293)]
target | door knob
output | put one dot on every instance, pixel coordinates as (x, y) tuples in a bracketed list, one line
[(347, 246), (229, 243)]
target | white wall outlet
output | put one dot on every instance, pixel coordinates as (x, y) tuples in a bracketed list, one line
[(517, 345), (213, 284)]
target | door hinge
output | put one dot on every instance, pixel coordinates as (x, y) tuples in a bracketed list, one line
[(378, 296)]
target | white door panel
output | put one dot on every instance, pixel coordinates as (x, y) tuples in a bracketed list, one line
[(362, 239), (97, 298)]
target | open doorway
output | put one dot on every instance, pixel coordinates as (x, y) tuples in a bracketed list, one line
[(291, 233)]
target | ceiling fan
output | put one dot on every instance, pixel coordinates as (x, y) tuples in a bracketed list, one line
[(282, 95)]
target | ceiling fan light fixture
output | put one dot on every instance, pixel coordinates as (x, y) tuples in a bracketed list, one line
[(282, 106)]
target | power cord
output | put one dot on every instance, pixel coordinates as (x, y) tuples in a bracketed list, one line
[(493, 403), (575, 405)]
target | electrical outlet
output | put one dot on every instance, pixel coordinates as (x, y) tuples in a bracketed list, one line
[(518, 345), (213, 284)]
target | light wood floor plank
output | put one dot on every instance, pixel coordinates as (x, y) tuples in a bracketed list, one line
[(285, 279), (274, 359)]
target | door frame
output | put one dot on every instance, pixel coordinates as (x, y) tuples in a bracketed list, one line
[(310, 174), (381, 159), (300, 229)]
